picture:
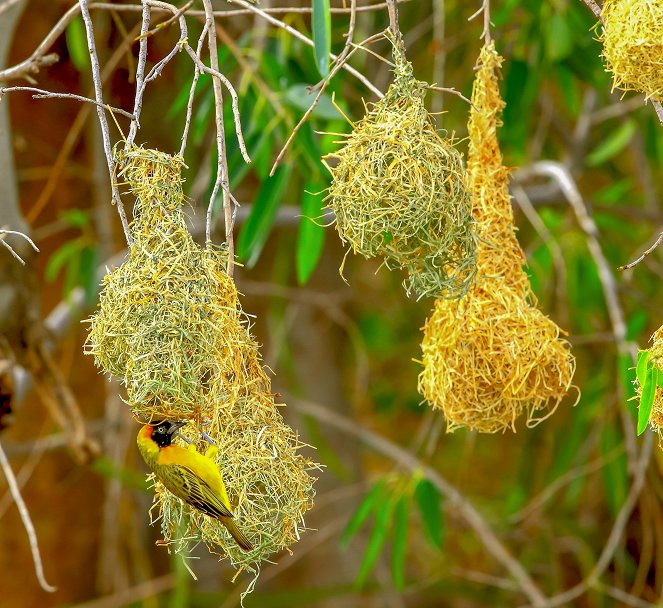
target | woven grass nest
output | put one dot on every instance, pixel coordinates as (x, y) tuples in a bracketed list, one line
[(399, 192), (492, 357), (170, 326), (633, 45)]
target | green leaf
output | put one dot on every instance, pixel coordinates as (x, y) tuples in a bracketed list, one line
[(321, 21), (88, 274), (77, 45), (641, 366), (362, 513), (77, 218), (298, 96), (259, 223), (613, 144), (399, 545), (429, 500), (311, 236), (376, 540), (65, 255), (559, 41), (646, 399)]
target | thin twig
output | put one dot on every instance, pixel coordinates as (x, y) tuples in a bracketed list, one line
[(192, 90), (307, 41), (27, 522), (455, 498), (595, 8), (42, 94), (659, 110), (9, 248), (644, 255), (103, 123), (451, 90), (221, 161), (140, 75), (340, 61), (164, 24)]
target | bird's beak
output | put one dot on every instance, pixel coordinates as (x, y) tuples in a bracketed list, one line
[(174, 426)]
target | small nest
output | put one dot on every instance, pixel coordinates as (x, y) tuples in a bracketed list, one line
[(169, 322), (492, 357), (267, 481), (398, 191), (633, 45)]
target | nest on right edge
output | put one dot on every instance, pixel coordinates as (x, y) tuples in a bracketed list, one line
[(492, 357)]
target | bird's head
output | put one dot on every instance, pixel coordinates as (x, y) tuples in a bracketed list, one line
[(163, 431)]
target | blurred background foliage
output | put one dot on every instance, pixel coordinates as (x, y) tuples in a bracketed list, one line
[(384, 534)]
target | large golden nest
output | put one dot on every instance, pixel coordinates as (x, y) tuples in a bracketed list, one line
[(492, 357), (398, 191), (171, 327), (633, 45)]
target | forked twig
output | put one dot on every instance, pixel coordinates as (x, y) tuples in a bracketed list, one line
[(27, 522), (644, 255), (9, 248)]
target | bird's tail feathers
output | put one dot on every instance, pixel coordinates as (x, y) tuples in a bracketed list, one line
[(236, 533)]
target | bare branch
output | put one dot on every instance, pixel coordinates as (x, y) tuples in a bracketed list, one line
[(340, 61), (644, 255), (451, 90), (307, 41), (140, 74), (192, 90), (659, 111), (42, 94), (6, 245), (103, 123), (27, 522), (455, 498), (595, 8)]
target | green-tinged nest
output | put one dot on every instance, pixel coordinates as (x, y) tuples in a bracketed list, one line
[(169, 323), (633, 45), (399, 191), (491, 358), (266, 478)]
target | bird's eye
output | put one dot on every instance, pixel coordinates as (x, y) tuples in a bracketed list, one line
[(161, 429)]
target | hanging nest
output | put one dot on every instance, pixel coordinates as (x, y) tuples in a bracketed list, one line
[(267, 479), (492, 357), (169, 322), (398, 191), (171, 327), (633, 45)]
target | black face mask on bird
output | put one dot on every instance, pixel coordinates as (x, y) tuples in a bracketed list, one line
[(164, 430)]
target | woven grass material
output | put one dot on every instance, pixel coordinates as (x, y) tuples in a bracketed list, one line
[(492, 357), (633, 45), (171, 327), (398, 191)]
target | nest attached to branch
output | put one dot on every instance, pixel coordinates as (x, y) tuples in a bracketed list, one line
[(399, 191), (168, 322), (633, 45), (171, 327), (492, 357)]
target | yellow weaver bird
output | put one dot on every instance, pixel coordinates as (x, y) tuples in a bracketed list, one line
[(188, 474)]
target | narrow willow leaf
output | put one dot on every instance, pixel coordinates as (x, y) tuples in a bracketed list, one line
[(613, 144), (321, 20), (399, 546), (646, 399), (77, 45), (383, 509), (362, 513), (430, 505), (641, 367), (311, 235)]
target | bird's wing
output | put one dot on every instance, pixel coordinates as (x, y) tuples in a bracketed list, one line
[(200, 494)]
